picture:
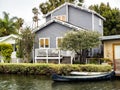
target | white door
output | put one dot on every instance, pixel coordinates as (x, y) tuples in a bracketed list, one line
[(117, 57), (117, 52)]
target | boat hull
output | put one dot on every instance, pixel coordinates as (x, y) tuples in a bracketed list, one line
[(107, 76)]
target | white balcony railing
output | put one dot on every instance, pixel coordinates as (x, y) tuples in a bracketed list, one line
[(52, 53)]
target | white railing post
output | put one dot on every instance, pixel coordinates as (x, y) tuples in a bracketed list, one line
[(59, 57), (46, 55)]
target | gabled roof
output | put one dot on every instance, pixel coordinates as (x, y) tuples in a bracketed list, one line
[(112, 37), (75, 6), (6, 37), (60, 22)]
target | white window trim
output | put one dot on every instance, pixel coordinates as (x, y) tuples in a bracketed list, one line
[(56, 41), (44, 42), (93, 21), (100, 22)]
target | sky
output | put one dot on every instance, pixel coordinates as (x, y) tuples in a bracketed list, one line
[(23, 8)]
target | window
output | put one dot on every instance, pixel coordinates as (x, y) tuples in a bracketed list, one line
[(58, 41), (44, 42), (61, 17), (100, 22)]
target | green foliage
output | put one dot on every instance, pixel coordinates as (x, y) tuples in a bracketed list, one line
[(48, 69), (112, 22), (25, 44), (19, 52), (9, 25), (6, 51), (52, 4), (79, 42)]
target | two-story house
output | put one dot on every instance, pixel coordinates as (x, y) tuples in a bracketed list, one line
[(58, 22)]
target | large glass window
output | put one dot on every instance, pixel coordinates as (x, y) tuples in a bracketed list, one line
[(58, 41), (44, 42)]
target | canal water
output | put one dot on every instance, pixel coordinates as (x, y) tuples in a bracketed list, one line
[(21, 82)]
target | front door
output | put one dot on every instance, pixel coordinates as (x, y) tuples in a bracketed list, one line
[(116, 56)]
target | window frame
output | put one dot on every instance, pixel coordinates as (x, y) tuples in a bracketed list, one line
[(60, 17), (57, 41), (44, 42)]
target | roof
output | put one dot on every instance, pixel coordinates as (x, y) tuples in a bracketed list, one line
[(75, 6), (112, 37), (60, 22), (6, 37)]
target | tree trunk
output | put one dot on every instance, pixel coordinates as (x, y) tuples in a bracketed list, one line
[(82, 55)]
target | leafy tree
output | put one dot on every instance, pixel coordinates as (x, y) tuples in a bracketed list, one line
[(25, 44), (112, 22), (80, 42), (7, 25), (52, 4)]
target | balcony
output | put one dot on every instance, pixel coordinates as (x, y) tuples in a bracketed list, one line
[(52, 53)]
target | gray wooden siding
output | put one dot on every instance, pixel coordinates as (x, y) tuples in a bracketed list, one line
[(51, 31), (80, 18), (61, 11), (96, 24)]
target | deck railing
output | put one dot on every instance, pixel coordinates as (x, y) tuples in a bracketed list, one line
[(52, 53)]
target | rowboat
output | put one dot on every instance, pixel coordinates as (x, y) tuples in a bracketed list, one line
[(76, 73), (106, 76)]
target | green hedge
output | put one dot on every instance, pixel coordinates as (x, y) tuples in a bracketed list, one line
[(6, 51), (48, 69)]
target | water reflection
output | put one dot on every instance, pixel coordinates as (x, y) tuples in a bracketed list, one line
[(106, 85), (21, 82)]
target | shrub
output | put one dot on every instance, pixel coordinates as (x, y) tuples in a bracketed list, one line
[(6, 51), (48, 69)]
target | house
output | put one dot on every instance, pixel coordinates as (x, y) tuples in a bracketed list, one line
[(10, 39), (112, 50), (61, 20)]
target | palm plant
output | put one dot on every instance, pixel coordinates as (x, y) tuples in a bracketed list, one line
[(35, 17), (7, 25)]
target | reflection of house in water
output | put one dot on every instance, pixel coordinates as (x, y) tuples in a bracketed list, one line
[(10, 39)]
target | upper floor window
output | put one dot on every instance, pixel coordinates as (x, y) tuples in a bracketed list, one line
[(61, 17), (44, 42), (58, 41), (100, 22)]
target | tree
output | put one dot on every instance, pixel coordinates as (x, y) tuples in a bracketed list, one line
[(80, 42), (52, 4), (7, 25), (25, 44), (112, 22), (19, 24), (35, 17)]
